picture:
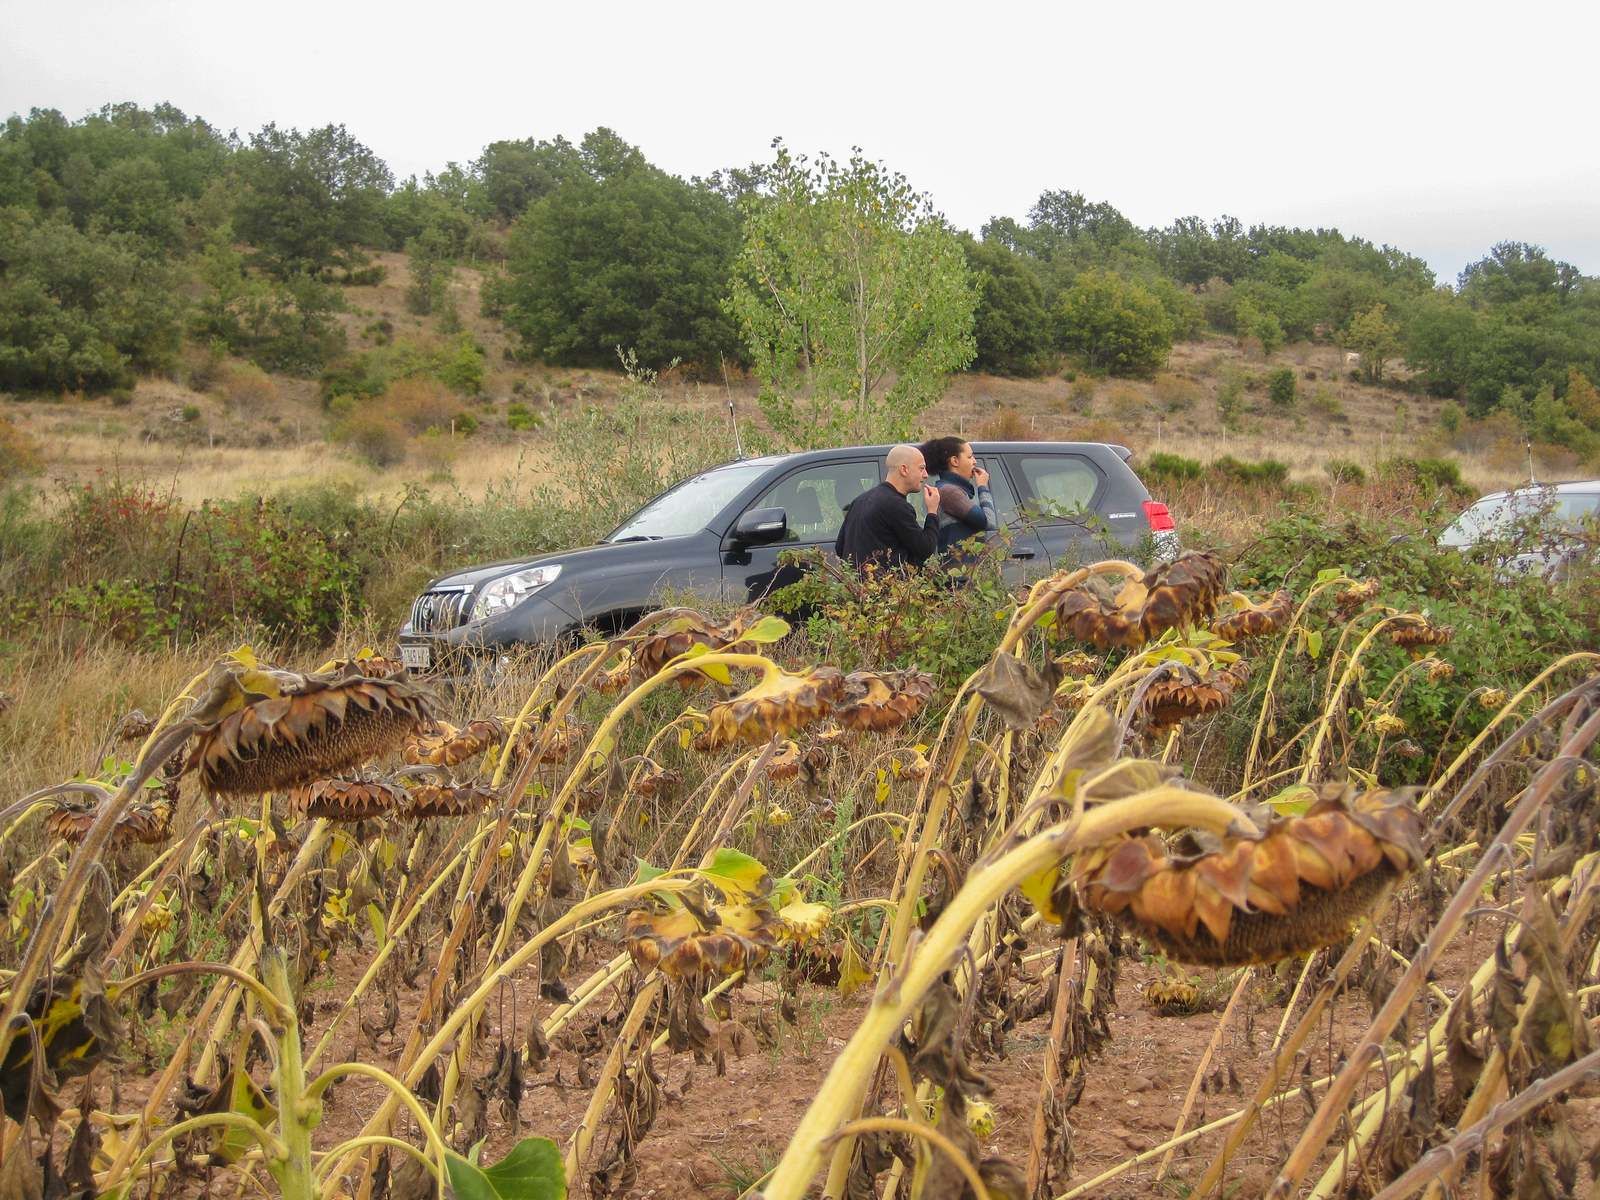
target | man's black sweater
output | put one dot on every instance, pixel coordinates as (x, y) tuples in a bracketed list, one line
[(881, 526)]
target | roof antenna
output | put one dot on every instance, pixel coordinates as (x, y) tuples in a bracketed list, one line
[(733, 418)]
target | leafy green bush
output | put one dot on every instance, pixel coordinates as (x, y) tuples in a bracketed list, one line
[(1173, 468), (520, 418), (1430, 474), (1281, 387), (1114, 325), (1269, 472), (1451, 417), (1342, 470)]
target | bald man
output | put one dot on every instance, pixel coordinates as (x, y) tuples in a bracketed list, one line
[(880, 525)]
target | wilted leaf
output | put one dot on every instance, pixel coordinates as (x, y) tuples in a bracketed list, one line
[(737, 875), (1015, 690)]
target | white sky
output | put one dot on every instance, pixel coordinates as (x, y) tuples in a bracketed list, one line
[(1438, 128)]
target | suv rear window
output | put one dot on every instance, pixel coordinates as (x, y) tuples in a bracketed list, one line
[(1056, 485)]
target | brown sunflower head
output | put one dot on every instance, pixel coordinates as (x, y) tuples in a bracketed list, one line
[(880, 700), (1256, 620), (346, 799), (1182, 592), (679, 632), (312, 727), (1353, 597), (431, 800), (690, 943), (145, 824), (781, 703), (1294, 887), (447, 746), (656, 781), (1105, 622), (1412, 632), (1189, 693)]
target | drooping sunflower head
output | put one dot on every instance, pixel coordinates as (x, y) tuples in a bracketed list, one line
[(680, 630), (1189, 693), (447, 746), (1256, 620), (1413, 631), (880, 700), (346, 799), (1295, 887), (278, 729), (781, 703), (431, 801)]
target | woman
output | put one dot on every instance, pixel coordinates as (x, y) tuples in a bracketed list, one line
[(966, 506)]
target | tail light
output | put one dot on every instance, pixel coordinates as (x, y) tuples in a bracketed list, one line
[(1160, 519)]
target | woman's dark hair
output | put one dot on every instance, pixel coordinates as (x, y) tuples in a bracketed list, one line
[(937, 452)]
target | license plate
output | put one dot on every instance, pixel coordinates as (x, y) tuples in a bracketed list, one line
[(417, 658)]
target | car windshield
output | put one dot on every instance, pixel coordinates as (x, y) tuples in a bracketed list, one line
[(689, 507), (1504, 516)]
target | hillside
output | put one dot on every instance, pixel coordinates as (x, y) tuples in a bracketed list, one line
[(233, 429)]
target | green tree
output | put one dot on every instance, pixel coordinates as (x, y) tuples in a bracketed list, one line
[(854, 299), (621, 254), (1011, 323), (80, 310), (431, 271), (311, 199), (1252, 321), (1375, 338), (1114, 325), (512, 175)]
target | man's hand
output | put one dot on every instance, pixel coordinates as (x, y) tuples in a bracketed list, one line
[(980, 477), (930, 499)]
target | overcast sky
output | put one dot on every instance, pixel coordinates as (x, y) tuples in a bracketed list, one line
[(1437, 128)]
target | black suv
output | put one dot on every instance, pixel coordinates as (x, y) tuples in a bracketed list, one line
[(719, 534)]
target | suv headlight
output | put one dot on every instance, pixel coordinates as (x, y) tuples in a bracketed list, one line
[(511, 590)]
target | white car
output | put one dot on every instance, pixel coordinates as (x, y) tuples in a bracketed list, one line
[(1538, 529)]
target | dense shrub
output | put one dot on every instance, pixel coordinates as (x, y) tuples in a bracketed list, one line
[(1281, 387), (1170, 468), (1114, 325), (1430, 474), (1269, 472)]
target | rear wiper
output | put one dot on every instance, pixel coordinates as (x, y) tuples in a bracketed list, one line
[(637, 537)]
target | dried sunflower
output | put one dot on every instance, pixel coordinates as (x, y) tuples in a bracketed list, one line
[(314, 726), (680, 632), (1172, 997), (656, 781), (1295, 887), (781, 703), (1356, 594), (689, 942), (447, 746), (145, 824), (1182, 592), (440, 800), (1412, 632), (1491, 699), (1176, 698), (880, 700), (1256, 620), (350, 799)]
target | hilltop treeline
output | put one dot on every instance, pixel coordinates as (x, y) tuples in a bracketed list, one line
[(132, 232)]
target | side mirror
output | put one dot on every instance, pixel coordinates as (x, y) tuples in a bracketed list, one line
[(761, 527)]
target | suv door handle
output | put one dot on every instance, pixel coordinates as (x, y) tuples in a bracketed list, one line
[(1023, 554)]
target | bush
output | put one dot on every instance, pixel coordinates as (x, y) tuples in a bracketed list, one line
[(1281, 387), (1171, 468), (464, 423), (1175, 393), (1008, 425), (1451, 417), (1341, 470), (247, 388), (1080, 395), (1230, 400), (378, 439), (520, 418), (1268, 473), (417, 404), (1429, 474), (19, 452), (1327, 405), (1126, 403), (190, 414)]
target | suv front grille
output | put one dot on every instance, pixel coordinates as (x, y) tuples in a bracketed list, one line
[(439, 611)]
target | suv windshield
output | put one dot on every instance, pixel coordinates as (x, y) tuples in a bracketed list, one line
[(689, 507)]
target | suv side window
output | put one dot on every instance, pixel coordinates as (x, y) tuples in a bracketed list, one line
[(1005, 500), (814, 497), (1056, 486)]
